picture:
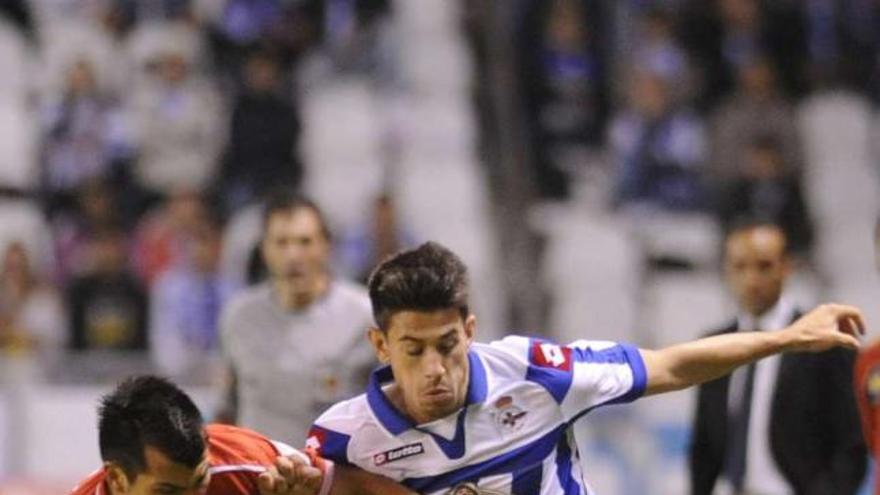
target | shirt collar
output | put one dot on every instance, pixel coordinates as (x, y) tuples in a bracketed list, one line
[(395, 421), (775, 318)]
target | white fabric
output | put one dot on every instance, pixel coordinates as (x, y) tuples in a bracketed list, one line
[(533, 390), (762, 476)]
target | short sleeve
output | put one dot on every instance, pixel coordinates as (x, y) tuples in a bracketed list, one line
[(584, 374)]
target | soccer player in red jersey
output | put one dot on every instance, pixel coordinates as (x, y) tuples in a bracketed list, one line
[(867, 386), (153, 441)]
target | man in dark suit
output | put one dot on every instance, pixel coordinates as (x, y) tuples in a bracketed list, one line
[(789, 423)]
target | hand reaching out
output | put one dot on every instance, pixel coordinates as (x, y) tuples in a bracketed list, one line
[(827, 326)]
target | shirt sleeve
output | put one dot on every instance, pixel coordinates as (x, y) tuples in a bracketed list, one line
[(328, 444), (583, 375)]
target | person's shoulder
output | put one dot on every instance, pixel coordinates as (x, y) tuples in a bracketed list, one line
[(350, 292), (509, 356), (346, 416), (246, 301), (232, 445)]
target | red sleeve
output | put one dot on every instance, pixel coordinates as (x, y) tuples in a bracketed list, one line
[(89, 486), (237, 456), (867, 390)]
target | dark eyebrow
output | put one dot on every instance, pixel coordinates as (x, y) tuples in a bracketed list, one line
[(445, 336)]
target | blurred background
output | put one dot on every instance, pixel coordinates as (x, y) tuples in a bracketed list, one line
[(582, 156)]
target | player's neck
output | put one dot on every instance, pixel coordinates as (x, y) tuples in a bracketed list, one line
[(297, 296)]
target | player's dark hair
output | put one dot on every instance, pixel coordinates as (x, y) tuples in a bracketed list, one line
[(285, 201), (148, 410), (427, 278)]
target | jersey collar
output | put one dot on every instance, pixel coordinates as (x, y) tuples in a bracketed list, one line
[(396, 422)]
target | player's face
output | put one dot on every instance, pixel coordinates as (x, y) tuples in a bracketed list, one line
[(756, 267), (162, 476), (295, 248), (428, 353)]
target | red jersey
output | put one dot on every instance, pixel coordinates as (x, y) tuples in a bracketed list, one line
[(236, 457), (867, 388)]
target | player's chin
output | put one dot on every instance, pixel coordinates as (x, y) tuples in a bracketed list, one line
[(439, 402)]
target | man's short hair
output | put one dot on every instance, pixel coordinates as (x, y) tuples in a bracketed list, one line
[(750, 222), (148, 410), (284, 201), (427, 278)]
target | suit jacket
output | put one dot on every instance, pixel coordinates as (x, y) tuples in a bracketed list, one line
[(815, 437)]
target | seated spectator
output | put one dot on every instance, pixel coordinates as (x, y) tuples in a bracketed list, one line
[(262, 149), (756, 107), (31, 315), (566, 87), (381, 236), (83, 137), (179, 121), (185, 305), (769, 191), (842, 43), (722, 35), (658, 50), (658, 149), (96, 208), (107, 305), (161, 238)]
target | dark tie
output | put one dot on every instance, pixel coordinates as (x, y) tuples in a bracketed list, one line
[(738, 434)]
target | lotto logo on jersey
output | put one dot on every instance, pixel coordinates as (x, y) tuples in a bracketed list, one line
[(397, 454), (315, 440), (550, 355)]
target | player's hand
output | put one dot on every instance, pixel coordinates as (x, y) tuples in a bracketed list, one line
[(290, 476), (827, 326)]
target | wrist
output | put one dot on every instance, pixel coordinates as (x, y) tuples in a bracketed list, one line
[(785, 340)]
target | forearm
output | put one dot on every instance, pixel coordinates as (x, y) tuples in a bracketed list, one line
[(683, 365)]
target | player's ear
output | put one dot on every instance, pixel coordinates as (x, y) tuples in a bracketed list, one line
[(470, 328), (117, 480), (379, 341)]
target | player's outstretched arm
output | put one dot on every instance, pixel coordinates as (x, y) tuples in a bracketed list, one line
[(681, 366), (292, 476)]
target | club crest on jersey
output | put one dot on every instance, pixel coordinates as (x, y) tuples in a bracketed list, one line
[(470, 489), (550, 355), (508, 416), (873, 385), (399, 453)]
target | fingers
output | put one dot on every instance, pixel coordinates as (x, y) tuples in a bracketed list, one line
[(848, 341), (292, 476), (851, 315), (266, 482)]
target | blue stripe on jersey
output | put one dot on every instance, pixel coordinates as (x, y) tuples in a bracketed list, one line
[(557, 382), (334, 445), (640, 376), (513, 461), (569, 485), (527, 482), (453, 449), (619, 354), (624, 353)]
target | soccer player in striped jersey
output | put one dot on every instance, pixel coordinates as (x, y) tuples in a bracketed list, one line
[(450, 416), (153, 441)]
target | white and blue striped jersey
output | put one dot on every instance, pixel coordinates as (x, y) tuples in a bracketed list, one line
[(511, 437)]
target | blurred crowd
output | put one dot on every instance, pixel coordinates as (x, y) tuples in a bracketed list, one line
[(137, 134)]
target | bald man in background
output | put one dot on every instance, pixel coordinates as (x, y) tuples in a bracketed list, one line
[(786, 424)]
